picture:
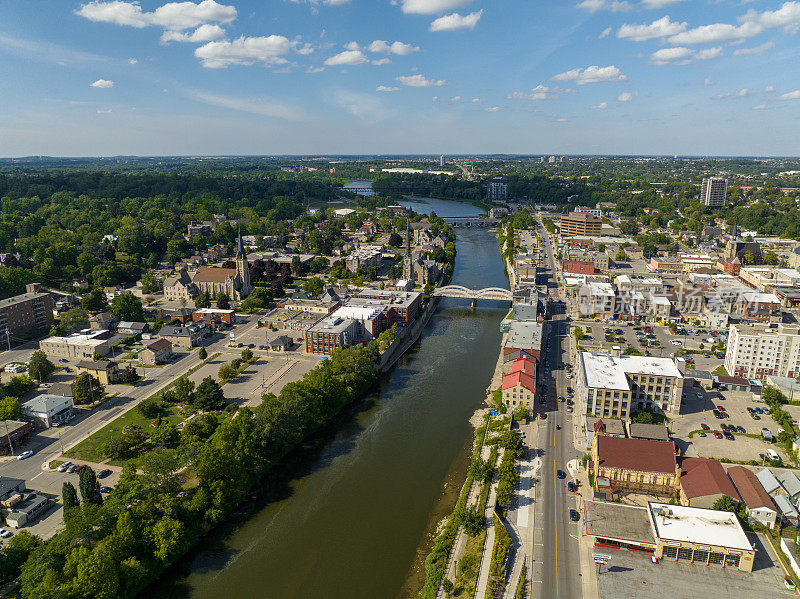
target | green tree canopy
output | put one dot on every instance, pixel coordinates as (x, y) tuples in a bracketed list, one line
[(39, 366), (128, 308)]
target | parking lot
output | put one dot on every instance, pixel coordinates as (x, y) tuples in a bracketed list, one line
[(630, 575)]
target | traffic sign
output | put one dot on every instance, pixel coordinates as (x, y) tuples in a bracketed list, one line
[(602, 556)]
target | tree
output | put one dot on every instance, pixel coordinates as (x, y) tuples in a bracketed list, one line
[(150, 407), (90, 488), (184, 390), (69, 497), (40, 367), (87, 389), (621, 256), (247, 355), (169, 537), (226, 373), (395, 240), (128, 308), (94, 301), (150, 284), (10, 409), (166, 435), (199, 428), (749, 257), (202, 354), (629, 227), (74, 320), (209, 395), (318, 264), (297, 266), (223, 302), (770, 257), (725, 504), (579, 334), (202, 301), (314, 286)]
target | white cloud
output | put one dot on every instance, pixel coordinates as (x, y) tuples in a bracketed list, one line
[(352, 46), (658, 3), (540, 92), (455, 99), (398, 48), (104, 111), (431, 7), (604, 33), (365, 107), (741, 93), (313, 70), (757, 51), (204, 33), (260, 106), (769, 88), (435, 99), (592, 74), (245, 51), (387, 88), (601, 106), (709, 53), (659, 28), (456, 22), (476, 100), (679, 55), (132, 61), (626, 96), (795, 95), (175, 16), (492, 109), (612, 5), (380, 61), (102, 84), (305, 49), (46, 51), (717, 32), (708, 81), (419, 81), (348, 58), (760, 107)]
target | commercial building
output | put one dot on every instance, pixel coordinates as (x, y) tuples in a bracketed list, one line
[(526, 336), (185, 337), (48, 410), (580, 223), (759, 350), (593, 211), (758, 502), (156, 353), (624, 465), (497, 189), (403, 305), (519, 386), (13, 434), (666, 266), (331, 333), (615, 386), (369, 256), (83, 346), (712, 192), (578, 267), (596, 299), (700, 536), (23, 315), (573, 253)]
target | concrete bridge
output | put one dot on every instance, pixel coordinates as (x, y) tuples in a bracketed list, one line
[(471, 221), (489, 293)]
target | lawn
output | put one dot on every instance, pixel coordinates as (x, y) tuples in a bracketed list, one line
[(720, 370), (90, 449)]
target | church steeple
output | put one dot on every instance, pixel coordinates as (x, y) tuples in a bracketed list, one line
[(240, 245), (242, 266)]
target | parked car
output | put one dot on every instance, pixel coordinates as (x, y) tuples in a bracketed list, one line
[(705, 427), (574, 515), (106, 489), (572, 487), (729, 436), (63, 467), (755, 416), (6, 533), (103, 473), (740, 429), (79, 468), (758, 410), (721, 408), (717, 434), (699, 395), (766, 410), (542, 416), (789, 583), (24, 455), (560, 474)]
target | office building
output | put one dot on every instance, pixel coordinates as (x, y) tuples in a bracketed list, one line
[(759, 350), (616, 386), (23, 315), (497, 189), (712, 192), (580, 223), (77, 345)]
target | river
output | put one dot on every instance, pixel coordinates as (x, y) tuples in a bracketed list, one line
[(350, 515)]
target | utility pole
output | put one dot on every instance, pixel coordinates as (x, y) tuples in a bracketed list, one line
[(10, 444)]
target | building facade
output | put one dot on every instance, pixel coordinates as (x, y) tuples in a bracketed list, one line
[(580, 223), (760, 350), (712, 192), (23, 315)]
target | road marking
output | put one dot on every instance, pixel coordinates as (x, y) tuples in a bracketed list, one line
[(37, 476)]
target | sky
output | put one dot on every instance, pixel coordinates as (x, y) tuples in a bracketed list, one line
[(244, 77)]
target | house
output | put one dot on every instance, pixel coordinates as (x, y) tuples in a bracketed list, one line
[(185, 337), (654, 432), (103, 320), (519, 386), (156, 353), (48, 410), (760, 506), (280, 343), (786, 510), (133, 328), (634, 465), (791, 484), (703, 481), (179, 286), (771, 484), (105, 371)]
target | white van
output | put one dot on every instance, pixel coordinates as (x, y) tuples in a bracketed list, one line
[(773, 455)]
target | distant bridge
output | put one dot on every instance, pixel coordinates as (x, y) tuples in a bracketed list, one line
[(471, 221), (362, 191), (489, 293)]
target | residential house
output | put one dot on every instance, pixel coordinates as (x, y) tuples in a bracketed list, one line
[(703, 481), (156, 353), (760, 506)]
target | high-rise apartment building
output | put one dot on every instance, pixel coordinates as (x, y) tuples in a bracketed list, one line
[(441, 160), (24, 314), (497, 189), (758, 350), (712, 192)]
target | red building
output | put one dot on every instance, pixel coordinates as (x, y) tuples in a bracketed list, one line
[(578, 267)]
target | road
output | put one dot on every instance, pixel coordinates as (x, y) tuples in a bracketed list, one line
[(556, 551), (48, 444)]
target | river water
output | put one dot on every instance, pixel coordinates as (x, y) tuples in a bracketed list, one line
[(350, 515)]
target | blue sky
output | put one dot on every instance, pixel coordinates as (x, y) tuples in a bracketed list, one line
[(112, 77)]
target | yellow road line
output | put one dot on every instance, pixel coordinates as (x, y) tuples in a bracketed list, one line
[(780, 560)]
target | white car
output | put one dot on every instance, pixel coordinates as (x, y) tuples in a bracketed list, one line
[(6, 534), (24, 455), (676, 342), (63, 467)]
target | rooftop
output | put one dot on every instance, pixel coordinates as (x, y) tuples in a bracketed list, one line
[(697, 525), (25, 297), (608, 372), (524, 335), (519, 378), (750, 489), (618, 521), (703, 477), (641, 455), (45, 403)]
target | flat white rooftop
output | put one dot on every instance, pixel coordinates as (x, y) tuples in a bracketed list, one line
[(696, 525), (604, 371)]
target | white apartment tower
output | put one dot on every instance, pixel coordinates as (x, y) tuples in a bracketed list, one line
[(712, 192), (759, 350)]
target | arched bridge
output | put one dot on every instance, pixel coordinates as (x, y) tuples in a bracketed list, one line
[(471, 221), (489, 293)]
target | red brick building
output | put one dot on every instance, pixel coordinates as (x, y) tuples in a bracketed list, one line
[(578, 267)]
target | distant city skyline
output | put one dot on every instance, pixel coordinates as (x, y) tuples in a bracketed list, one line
[(370, 77)]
